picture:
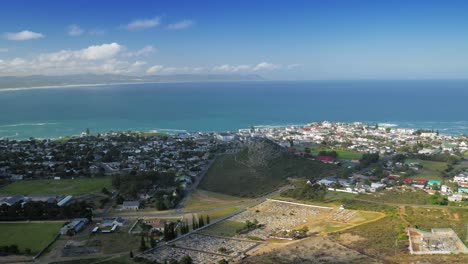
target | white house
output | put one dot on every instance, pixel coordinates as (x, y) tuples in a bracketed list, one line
[(456, 197), (131, 205), (461, 178), (223, 136)]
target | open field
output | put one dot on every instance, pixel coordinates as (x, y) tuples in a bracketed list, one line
[(431, 170), (309, 250), (342, 153), (226, 228), (86, 245), (201, 199), (33, 236), (428, 218), (229, 174), (60, 187), (398, 196)]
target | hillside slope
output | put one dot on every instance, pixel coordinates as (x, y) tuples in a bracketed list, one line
[(261, 167)]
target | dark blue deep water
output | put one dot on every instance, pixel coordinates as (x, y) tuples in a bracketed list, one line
[(217, 106)]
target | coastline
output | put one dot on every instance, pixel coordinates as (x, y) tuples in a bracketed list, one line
[(116, 83)]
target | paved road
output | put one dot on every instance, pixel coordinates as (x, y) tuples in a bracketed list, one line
[(194, 186)]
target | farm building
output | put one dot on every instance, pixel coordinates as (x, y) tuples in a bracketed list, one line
[(131, 205), (75, 226)]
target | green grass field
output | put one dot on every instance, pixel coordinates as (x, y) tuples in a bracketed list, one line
[(34, 236), (60, 187), (200, 200), (230, 175), (226, 228), (342, 153), (431, 170), (398, 196)]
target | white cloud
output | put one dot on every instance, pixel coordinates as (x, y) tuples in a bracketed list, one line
[(266, 66), (262, 66), (154, 69), (141, 24), (105, 58), (23, 35), (96, 52), (148, 49), (75, 30), (3, 50), (100, 52), (186, 23), (232, 68)]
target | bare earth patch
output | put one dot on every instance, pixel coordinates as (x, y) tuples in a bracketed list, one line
[(310, 250)]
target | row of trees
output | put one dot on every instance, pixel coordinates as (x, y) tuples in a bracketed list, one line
[(45, 211), (10, 250), (200, 222), (313, 192)]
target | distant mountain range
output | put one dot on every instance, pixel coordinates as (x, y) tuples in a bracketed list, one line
[(89, 79)]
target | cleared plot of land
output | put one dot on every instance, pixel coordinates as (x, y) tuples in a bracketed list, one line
[(438, 241), (310, 250), (240, 175), (60, 187), (428, 218), (33, 236), (201, 199)]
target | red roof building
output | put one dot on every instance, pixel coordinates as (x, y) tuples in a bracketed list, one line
[(393, 177), (292, 150), (408, 180), (421, 181), (326, 159)]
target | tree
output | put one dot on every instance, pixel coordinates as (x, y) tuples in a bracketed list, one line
[(186, 260), (194, 222), (143, 246), (201, 222), (131, 254), (153, 242), (207, 219), (87, 131)]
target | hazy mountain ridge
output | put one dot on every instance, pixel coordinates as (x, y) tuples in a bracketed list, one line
[(88, 79)]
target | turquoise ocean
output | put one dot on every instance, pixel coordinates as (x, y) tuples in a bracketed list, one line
[(228, 106)]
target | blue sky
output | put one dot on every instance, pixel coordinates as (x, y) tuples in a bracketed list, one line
[(316, 39)]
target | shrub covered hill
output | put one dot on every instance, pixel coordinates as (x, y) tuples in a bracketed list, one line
[(259, 168)]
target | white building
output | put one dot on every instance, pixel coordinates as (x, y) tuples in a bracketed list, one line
[(131, 205), (462, 177), (223, 136)]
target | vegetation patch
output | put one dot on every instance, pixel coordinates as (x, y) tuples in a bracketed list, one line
[(60, 187), (29, 237), (201, 199), (226, 228), (260, 168)]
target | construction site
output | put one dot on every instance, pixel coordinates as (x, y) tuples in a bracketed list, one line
[(437, 241)]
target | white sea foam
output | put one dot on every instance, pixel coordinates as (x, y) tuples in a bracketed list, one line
[(29, 124), (388, 125)]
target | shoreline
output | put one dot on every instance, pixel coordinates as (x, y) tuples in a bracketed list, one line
[(116, 83), (172, 131)]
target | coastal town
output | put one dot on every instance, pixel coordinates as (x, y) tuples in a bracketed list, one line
[(161, 192)]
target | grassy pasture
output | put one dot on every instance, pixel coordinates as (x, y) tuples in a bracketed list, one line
[(34, 236), (60, 187)]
